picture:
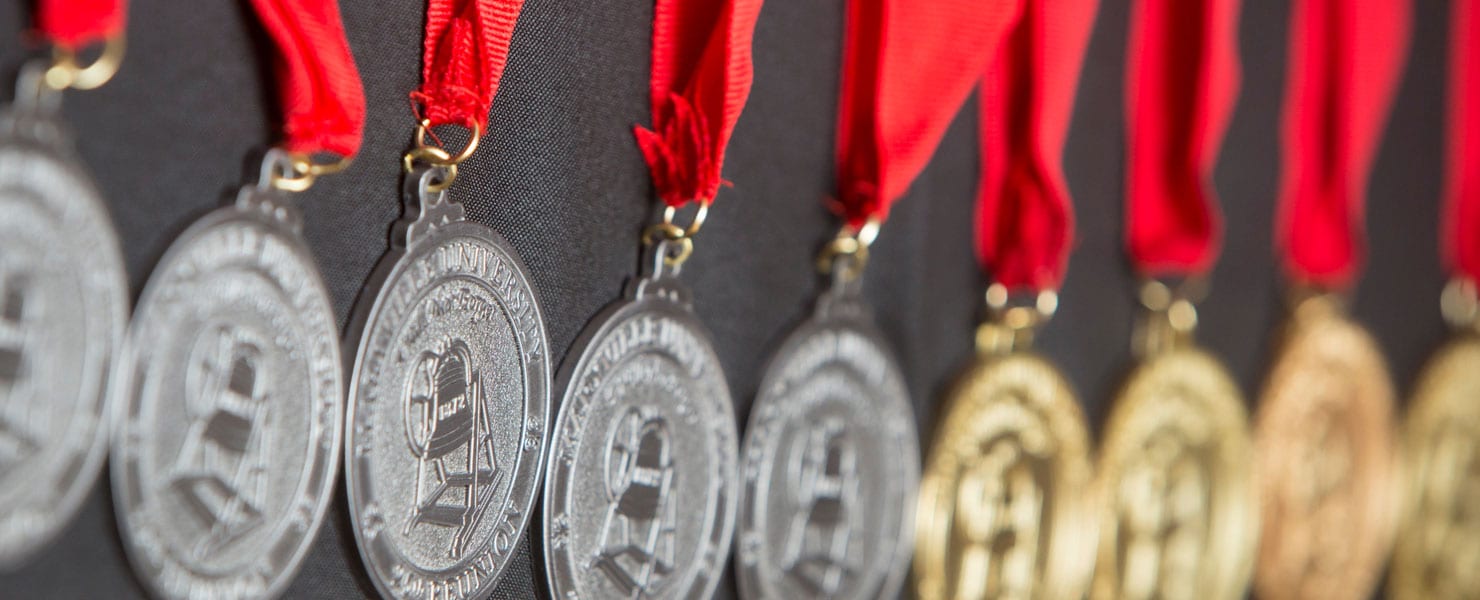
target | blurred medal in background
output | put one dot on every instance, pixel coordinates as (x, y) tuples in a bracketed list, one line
[(642, 483), (1179, 516), (1324, 428), (229, 390), (63, 290), (1006, 503)]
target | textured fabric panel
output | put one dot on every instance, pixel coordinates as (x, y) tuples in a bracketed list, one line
[(561, 178)]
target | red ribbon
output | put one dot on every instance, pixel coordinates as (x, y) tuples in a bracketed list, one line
[(1345, 60), (319, 88), (908, 66), (1025, 226), (701, 76), (1182, 79), (1462, 221), (77, 23), (463, 58)]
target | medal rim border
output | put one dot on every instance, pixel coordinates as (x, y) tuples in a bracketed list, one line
[(120, 380), (391, 267)]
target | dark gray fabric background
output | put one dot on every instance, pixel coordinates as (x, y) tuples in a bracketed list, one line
[(560, 177)]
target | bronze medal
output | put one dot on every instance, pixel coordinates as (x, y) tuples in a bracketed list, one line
[(1326, 459), (1006, 503), (1179, 511)]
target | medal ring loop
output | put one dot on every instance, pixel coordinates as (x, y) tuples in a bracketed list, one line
[(670, 213), (1172, 314), (850, 242), (437, 158), (299, 171), (667, 233), (1045, 304), (1460, 303), (443, 158), (66, 72)]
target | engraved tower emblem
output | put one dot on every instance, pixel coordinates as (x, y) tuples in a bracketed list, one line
[(446, 420), (18, 436), (221, 473), (636, 549), (1000, 506), (1164, 520), (824, 480)]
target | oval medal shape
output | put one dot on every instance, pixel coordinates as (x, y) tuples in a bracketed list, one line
[(1005, 504), (1438, 547), (447, 412), (830, 466), (1179, 511), (63, 310), (642, 483), (1326, 451), (230, 399)]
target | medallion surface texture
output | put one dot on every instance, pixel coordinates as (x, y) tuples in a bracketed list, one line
[(1005, 504), (448, 405), (1179, 510), (1438, 549), (829, 467), (63, 310), (641, 493), (230, 402), (1326, 461)]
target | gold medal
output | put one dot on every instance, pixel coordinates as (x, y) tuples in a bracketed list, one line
[(1438, 549), (1005, 508), (1179, 511), (1326, 459)]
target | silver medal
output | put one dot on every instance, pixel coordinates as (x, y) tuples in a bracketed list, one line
[(63, 309), (448, 405), (640, 497), (830, 464), (229, 397)]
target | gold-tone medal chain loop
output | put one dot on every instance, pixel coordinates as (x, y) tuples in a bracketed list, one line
[(298, 171), (679, 239), (436, 157), (1171, 315), (846, 254), (68, 72), (1460, 304), (1009, 327)]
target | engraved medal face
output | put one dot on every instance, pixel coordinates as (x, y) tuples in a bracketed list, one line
[(1179, 511), (63, 309), (447, 414), (1438, 549), (641, 490), (1005, 502), (830, 466), (1326, 461), (230, 398)]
